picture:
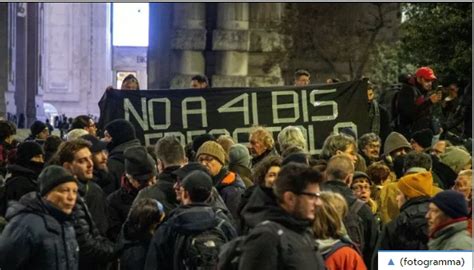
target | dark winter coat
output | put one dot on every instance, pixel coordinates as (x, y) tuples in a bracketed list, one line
[(409, 230), (414, 109), (269, 152), (95, 250), (369, 223), (183, 220), (38, 236), (244, 172), (231, 187), (120, 202), (104, 180), (284, 243), (252, 207), (135, 249), (163, 190), (96, 203), (22, 181), (116, 163)]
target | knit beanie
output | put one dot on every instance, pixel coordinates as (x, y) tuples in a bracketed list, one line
[(395, 141), (97, 145), (359, 174), (53, 176), (213, 149), (37, 127), (26, 151), (239, 155), (416, 185), (201, 139), (121, 131), (423, 137), (452, 203), (455, 157), (139, 164)]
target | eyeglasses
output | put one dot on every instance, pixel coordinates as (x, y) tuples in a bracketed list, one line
[(313, 196), (205, 158)]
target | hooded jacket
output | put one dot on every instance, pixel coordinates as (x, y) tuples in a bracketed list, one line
[(345, 257), (38, 236), (281, 241), (116, 161), (185, 220), (231, 187), (23, 180), (408, 231)]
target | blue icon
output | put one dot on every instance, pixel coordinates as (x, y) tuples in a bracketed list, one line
[(391, 262)]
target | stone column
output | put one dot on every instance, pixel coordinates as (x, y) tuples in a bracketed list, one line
[(188, 41), (4, 54), (265, 41), (231, 43)]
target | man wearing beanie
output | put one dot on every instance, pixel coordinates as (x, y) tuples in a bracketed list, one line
[(190, 221), (396, 146), (229, 184), (24, 173), (140, 172), (239, 163), (447, 222), (121, 135), (421, 140), (39, 132), (91, 211), (409, 231), (40, 234)]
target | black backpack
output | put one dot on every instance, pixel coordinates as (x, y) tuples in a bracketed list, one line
[(355, 225), (199, 250), (231, 252)]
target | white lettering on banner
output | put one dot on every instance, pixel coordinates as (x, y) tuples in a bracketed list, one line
[(202, 111), (128, 108), (244, 109), (293, 105), (167, 123), (312, 98), (254, 109), (308, 132)]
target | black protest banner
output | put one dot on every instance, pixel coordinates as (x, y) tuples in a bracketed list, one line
[(317, 109)]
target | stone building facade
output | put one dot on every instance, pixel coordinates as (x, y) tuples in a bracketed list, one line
[(61, 54)]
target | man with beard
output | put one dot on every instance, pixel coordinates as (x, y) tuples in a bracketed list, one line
[(91, 209), (369, 146), (99, 157), (288, 215), (24, 173)]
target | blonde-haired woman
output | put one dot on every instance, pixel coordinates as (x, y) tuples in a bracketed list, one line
[(338, 250)]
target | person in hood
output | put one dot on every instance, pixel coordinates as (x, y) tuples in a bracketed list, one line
[(239, 163), (192, 217), (286, 227), (29, 163), (447, 222), (229, 184), (120, 135), (39, 132), (145, 216), (40, 234), (338, 250), (396, 146), (140, 172)]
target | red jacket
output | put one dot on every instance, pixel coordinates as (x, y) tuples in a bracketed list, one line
[(345, 258)]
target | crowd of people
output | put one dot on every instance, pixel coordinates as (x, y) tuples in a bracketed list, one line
[(84, 201)]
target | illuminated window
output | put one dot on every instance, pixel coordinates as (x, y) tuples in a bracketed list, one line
[(130, 24)]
